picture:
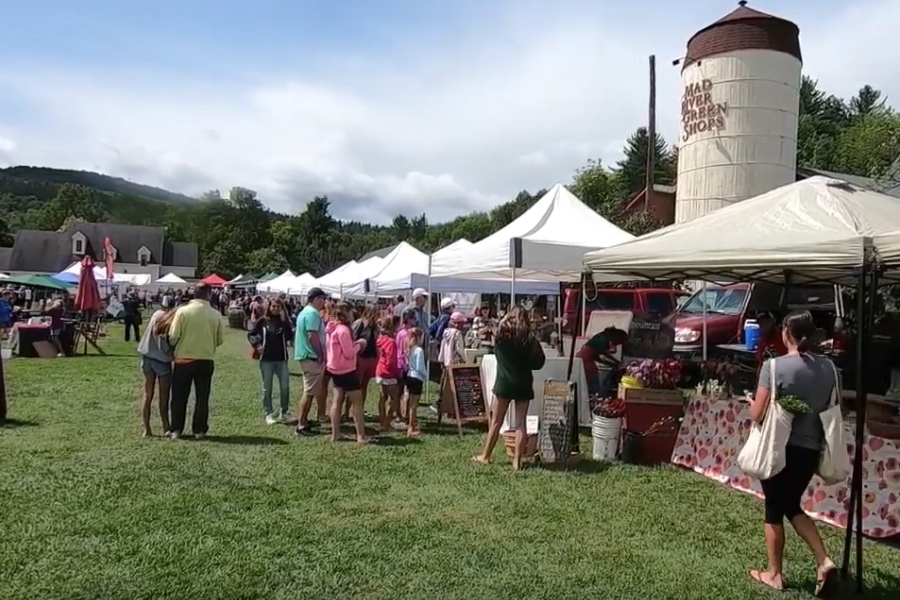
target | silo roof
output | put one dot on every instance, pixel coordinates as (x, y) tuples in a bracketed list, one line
[(744, 29)]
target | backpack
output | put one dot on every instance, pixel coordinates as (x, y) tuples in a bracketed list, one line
[(257, 342)]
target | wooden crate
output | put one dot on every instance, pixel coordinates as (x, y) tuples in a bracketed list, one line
[(648, 396)]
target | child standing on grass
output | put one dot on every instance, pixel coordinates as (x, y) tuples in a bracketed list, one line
[(416, 375), (407, 322), (387, 373), (156, 365), (341, 365)]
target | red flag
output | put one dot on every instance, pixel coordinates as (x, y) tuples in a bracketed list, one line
[(110, 259)]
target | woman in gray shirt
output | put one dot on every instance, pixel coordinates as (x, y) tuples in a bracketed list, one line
[(811, 378), (156, 365)]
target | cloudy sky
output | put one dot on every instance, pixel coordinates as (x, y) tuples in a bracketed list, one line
[(387, 106)]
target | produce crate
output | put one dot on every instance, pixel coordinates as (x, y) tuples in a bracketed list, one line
[(650, 396)]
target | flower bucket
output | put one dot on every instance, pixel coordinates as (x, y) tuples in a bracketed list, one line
[(631, 448), (531, 441), (606, 433)]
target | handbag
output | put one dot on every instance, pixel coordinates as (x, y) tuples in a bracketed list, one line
[(763, 456), (257, 340), (834, 465)]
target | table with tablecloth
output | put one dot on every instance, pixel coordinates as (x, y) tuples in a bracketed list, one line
[(714, 431), (554, 368)]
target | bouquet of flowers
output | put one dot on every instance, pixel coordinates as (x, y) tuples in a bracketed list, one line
[(663, 374), (611, 408), (720, 370)]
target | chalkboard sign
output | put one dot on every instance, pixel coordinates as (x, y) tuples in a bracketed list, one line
[(466, 392), (557, 421), (649, 337)]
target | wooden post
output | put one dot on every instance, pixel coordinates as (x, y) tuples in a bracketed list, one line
[(651, 136)]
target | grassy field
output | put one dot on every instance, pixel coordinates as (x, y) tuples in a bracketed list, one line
[(89, 510)]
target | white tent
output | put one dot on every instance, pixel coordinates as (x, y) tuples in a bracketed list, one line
[(280, 284), (237, 279), (138, 279), (332, 283), (355, 279), (406, 268), (171, 279), (818, 229), (547, 243)]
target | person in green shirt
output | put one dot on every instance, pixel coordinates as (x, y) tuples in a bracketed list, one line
[(519, 354), (309, 351)]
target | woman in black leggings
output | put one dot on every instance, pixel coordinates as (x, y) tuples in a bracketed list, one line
[(811, 378)]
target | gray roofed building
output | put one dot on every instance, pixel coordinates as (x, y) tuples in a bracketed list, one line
[(380, 253), (138, 249), (890, 184)]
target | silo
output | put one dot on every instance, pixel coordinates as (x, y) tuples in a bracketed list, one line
[(739, 111)]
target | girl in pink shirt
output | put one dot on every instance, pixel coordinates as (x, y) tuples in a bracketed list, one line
[(408, 322), (341, 366)]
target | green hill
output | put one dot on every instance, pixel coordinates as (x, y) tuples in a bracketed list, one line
[(96, 181)]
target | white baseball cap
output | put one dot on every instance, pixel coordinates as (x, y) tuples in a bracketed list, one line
[(447, 303), (419, 293)]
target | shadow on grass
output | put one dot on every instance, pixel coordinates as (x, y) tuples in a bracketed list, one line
[(107, 355), (397, 442), (879, 591), (14, 423), (450, 428), (245, 440), (576, 465)]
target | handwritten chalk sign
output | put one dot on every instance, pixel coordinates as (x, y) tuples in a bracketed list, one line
[(467, 391), (649, 337), (557, 421)]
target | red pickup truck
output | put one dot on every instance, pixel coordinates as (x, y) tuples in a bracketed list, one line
[(728, 306), (660, 301)]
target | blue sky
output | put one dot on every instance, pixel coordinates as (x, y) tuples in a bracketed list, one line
[(386, 105)]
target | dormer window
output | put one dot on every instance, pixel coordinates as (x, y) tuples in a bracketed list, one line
[(79, 241), (143, 256)]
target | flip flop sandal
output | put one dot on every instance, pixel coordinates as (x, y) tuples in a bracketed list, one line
[(826, 581), (756, 576)]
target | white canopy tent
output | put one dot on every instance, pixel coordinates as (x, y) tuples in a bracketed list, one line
[(406, 268), (137, 279), (546, 243), (818, 229), (333, 282), (354, 280), (280, 284), (171, 279)]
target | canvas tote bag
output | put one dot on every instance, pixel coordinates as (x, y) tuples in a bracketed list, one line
[(834, 466), (763, 454)]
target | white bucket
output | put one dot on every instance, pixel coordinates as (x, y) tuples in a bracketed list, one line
[(6, 353), (606, 434)]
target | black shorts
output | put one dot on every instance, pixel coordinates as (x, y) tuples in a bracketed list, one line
[(348, 382), (413, 386)]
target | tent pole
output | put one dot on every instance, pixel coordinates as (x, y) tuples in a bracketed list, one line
[(583, 319), (704, 332), (440, 401)]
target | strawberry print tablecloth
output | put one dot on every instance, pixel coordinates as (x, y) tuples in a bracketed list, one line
[(714, 431)]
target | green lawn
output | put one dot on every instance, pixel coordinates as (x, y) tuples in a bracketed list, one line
[(89, 510)]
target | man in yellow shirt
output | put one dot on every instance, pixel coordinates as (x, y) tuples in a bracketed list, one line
[(195, 333)]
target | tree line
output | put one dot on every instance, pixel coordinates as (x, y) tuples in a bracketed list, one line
[(236, 233)]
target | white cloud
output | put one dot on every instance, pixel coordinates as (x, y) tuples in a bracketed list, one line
[(448, 131)]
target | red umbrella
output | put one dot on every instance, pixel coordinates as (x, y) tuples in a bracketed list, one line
[(88, 296)]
